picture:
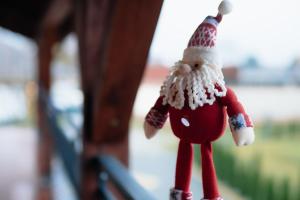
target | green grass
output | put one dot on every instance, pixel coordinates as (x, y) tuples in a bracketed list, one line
[(277, 153), (280, 156)]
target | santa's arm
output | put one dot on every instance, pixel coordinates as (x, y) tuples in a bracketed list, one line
[(156, 118), (240, 123)]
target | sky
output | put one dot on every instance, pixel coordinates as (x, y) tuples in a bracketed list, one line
[(266, 29)]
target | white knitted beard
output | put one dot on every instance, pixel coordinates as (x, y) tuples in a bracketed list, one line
[(200, 85)]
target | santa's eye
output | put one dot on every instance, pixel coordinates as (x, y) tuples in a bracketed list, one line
[(196, 65)]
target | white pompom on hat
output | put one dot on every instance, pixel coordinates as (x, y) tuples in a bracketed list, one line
[(203, 41), (225, 7)]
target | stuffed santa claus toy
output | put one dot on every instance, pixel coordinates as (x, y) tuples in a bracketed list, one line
[(196, 100)]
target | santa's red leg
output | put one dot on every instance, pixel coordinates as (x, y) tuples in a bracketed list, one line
[(183, 172), (209, 178), (184, 166)]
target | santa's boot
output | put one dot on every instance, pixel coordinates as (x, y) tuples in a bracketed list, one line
[(218, 198), (180, 195)]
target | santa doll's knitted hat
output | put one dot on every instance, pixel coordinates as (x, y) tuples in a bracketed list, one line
[(202, 44)]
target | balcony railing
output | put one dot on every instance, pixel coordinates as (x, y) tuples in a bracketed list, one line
[(107, 168)]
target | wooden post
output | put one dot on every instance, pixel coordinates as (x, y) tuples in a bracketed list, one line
[(48, 36), (122, 66), (114, 40), (45, 44), (91, 21)]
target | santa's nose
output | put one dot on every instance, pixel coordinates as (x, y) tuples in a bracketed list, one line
[(184, 69)]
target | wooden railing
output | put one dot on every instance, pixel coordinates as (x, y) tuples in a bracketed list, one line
[(107, 168)]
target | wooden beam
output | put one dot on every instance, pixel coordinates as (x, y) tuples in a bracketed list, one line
[(58, 11), (114, 38), (92, 20), (120, 71), (45, 148), (23, 17), (48, 36)]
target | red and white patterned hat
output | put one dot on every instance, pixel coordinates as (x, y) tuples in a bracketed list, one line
[(203, 42)]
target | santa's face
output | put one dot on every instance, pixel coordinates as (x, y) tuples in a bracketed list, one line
[(193, 60), (197, 79), (186, 66)]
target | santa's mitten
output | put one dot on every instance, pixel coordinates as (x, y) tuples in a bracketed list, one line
[(153, 122), (180, 195), (242, 129)]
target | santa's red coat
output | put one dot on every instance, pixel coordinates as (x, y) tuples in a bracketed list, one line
[(204, 124)]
